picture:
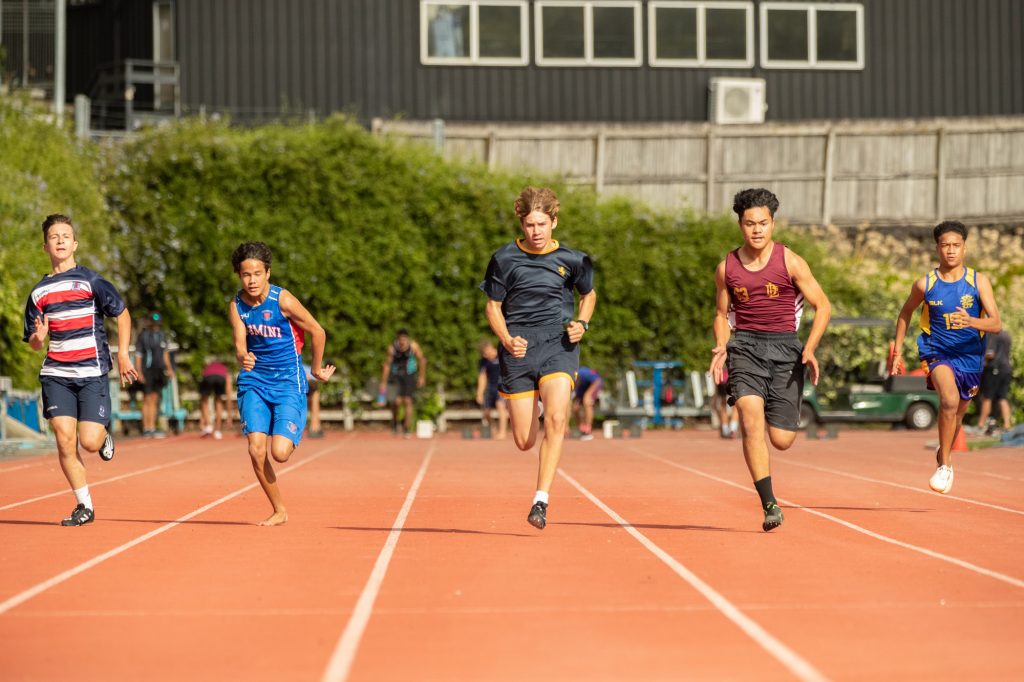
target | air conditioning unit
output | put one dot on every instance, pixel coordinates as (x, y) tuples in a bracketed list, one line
[(736, 100)]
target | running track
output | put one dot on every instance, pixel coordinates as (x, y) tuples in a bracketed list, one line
[(412, 560)]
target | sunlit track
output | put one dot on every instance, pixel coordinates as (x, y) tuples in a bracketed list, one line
[(25, 595), (793, 662), (120, 477), (893, 484), (980, 570), (340, 665)]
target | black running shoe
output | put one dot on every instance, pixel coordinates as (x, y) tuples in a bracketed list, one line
[(107, 449), (538, 517), (772, 517), (79, 517)]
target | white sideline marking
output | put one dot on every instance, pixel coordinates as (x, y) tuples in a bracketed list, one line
[(899, 485), (22, 597), (776, 649), (345, 651), (115, 478), (981, 570), (23, 466)]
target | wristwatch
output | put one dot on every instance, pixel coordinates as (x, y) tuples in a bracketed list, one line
[(584, 324)]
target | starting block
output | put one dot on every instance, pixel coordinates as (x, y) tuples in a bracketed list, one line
[(477, 432), (612, 428)]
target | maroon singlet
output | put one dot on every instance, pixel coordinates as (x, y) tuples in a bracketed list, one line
[(765, 300)]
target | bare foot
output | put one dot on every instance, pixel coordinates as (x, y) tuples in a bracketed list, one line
[(275, 519)]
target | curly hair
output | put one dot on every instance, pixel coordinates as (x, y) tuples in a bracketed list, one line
[(536, 199), (251, 250), (950, 226), (752, 198)]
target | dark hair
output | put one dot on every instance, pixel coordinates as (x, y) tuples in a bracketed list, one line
[(752, 198), (55, 219), (250, 251), (402, 332), (950, 226)]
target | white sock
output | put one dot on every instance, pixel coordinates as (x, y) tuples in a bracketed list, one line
[(541, 496), (83, 496), (734, 427)]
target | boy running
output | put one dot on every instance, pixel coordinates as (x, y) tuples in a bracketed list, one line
[(762, 287), (529, 286), (958, 308), (69, 305), (267, 323)]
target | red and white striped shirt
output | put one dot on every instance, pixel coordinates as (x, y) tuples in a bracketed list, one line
[(74, 303)]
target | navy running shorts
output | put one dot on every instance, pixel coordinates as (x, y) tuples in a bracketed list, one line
[(768, 365), (87, 399), (549, 353), (967, 383)]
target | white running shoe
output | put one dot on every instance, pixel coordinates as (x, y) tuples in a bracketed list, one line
[(107, 449), (942, 480), (217, 435)]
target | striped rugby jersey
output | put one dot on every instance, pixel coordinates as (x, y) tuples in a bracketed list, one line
[(75, 303)]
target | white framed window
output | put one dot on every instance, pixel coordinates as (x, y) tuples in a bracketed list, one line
[(710, 34), (594, 33), (485, 32), (812, 35)]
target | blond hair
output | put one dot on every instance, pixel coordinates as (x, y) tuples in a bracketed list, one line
[(536, 199)]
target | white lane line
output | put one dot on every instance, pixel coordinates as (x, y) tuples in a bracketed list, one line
[(918, 489), (792, 661), (980, 570), (157, 467), (345, 651), (23, 466), (24, 596)]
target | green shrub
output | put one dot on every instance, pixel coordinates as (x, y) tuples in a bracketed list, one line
[(43, 170)]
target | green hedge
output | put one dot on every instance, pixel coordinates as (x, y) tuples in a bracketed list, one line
[(372, 235), (42, 171)]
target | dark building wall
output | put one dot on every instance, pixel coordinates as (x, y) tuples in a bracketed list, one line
[(105, 33), (254, 58)]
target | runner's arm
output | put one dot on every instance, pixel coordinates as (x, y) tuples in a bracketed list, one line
[(913, 301), (991, 323), (720, 326), (246, 360), (304, 320)]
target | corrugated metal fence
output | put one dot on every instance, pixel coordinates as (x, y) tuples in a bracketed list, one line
[(856, 172)]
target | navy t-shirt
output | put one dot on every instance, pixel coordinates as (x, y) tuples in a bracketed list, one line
[(536, 289)]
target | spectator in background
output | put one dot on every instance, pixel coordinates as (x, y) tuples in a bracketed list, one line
[(214, 387), (488, 376), (405, 366), (995, 379), (588, 387), (153, 363)]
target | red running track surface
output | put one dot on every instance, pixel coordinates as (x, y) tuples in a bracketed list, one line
[(412, 560)]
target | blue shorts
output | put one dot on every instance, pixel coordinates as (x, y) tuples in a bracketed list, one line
[(549, 353), (967, 383), (87, 400), (275, 413)]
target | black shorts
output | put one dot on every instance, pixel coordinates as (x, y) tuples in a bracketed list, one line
[(87, 400), (768, 365), (155, 378), (549, 353), (995, 383), (213, 384), (406, 384)]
